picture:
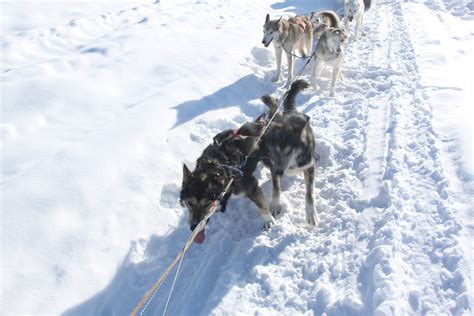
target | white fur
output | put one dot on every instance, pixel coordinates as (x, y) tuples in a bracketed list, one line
[(354, 9)]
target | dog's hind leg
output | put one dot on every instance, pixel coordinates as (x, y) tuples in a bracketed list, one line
[(255, 194), (309, 182), (275, 207), (278, 52)]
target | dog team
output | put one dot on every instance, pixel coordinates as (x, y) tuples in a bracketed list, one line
[(282, 141)]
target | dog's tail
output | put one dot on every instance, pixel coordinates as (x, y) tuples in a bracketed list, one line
[(290, 100)]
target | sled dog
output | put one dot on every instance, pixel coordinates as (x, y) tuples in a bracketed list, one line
[(294, 36), (354, 9), (322, 20), (330, 50), (214, 169), (289, 145)]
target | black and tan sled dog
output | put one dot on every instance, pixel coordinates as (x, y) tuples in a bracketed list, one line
[(214, 169)]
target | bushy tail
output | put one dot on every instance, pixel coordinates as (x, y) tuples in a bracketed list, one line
[(290, 100)]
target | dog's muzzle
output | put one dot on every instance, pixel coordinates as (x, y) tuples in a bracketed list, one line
[(265, 43), (350, 18)]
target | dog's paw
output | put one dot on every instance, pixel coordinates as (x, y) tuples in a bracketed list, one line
[(275, 208), (311, 217), (276, 78), (268, 221)]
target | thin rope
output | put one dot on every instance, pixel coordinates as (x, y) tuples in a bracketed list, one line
[(172, 285), (147, 297)]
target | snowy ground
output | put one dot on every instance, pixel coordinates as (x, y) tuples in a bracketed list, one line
[(102, 102)]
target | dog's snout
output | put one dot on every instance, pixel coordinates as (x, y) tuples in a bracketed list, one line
[(263, 42), (338, 50), (193, 226)]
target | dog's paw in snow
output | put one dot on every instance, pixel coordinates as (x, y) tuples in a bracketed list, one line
[(275, 207), (311, 217), (268, 221)]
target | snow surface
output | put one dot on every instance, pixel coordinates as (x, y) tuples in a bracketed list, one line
[(102, 102)]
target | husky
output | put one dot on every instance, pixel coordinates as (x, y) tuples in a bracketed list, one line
[(289, 35), (329, 49), (289, 146), (218, 164), (322, 20), (354, 9)]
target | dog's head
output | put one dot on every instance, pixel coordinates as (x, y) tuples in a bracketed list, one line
[(200, 191), (317, 21), (287, 140), (351, 8), (271, 30), (335, 40)]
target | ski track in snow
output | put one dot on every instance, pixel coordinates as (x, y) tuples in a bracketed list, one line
[(383, 187)]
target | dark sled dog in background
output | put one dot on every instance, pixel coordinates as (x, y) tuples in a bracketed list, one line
[(322, 20), (289, 145), (290, 35), (202, 187)]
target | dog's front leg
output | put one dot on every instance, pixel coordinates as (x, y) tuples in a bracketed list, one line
[(358, 24), (316, 73), (275, 207), (335, 74), (278, 52), (291, 61), (309, 182), (362, 25), (255, 194)]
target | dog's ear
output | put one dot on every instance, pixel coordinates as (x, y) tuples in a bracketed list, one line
[(187, 174), (280, 25), (267, 18)]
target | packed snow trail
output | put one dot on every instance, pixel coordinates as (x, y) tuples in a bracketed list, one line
[(389, 203), (385, 217)]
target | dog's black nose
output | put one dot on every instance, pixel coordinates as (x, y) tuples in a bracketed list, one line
[(338, 50), (263, 42), (192, 227)]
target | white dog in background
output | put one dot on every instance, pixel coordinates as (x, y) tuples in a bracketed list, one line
[(354, 10)]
